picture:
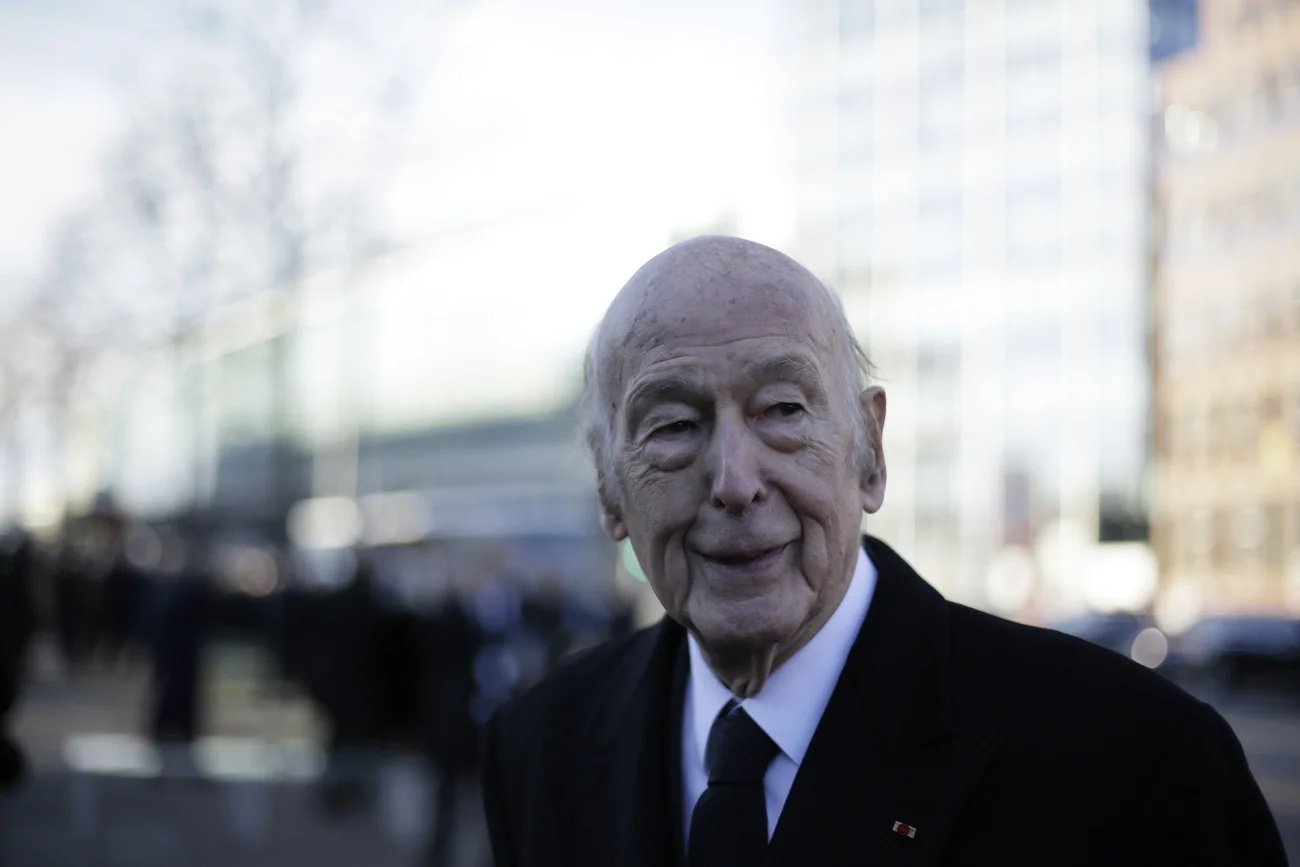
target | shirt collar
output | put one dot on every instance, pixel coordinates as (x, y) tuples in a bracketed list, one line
[(790, 705)]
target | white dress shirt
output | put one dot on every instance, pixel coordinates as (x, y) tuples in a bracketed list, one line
[(789, 706)]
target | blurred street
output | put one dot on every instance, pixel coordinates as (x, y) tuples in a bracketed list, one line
[(190, 819), (164, 822)]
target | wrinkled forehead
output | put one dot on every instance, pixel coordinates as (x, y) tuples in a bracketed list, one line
[(714, 301)]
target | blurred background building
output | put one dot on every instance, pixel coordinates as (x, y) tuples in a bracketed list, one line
[(972, 176), (323, 252), (1226, 516)]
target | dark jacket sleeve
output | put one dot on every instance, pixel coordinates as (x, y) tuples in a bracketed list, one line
[(1205, 803), (494, 795)]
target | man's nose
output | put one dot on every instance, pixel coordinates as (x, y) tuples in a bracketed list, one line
[(737, 475)]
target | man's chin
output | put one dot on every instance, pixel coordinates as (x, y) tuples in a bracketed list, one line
[(732, 636)]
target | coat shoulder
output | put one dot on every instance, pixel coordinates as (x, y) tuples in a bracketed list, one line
[(1104, 739), (1029, 673)]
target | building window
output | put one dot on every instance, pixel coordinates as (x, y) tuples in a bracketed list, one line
[(1176, 432), (940, 244), (1197, 541), (1186, 229), (855, 123), (941, 54), (1034, 345), (1218, 433), (1243, 431), (1275, 312), (940, 115), (936, 7), (934, 481), (850, 279), (1270, 409), (857, 17), (937, 368), (1033, 96), (1271, 208), (1033, 32), (937, 530), (1173, 436), (1274, 552), (1241, 112), (1258, 13), (1199, 434), (1293, 415), (855, 239), (1251, 323), (1288, 93), (1033, 165), (1034, 226), (1249, 533), (1191, 436)]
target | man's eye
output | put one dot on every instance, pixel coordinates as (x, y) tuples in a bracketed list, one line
[(785, 410), (676, 428)]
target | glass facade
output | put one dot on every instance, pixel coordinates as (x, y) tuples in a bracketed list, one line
[(989, 215), (1227, 291)]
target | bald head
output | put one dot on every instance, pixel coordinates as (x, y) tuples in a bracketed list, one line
[(708, 273), (711, 268)]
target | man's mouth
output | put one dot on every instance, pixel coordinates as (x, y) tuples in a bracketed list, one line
[(746, 560)]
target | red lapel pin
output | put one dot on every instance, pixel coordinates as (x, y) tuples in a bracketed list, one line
[(904, 830)]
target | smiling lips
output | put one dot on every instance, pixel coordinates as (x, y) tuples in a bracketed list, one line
[(753, 560)]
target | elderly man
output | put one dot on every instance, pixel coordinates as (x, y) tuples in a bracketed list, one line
[(809, 699)]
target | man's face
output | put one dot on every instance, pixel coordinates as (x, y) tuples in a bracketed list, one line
[(734, 451)]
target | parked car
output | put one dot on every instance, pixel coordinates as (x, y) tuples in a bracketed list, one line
[(1229, 652)]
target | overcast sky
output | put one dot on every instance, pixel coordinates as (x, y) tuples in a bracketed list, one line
[(668, 108)]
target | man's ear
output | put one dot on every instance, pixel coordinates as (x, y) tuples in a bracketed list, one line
[(871, 403), (611, 516), (613, 525)]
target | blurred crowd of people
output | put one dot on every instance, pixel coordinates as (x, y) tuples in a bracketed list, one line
[(427, 677), (385, 673)]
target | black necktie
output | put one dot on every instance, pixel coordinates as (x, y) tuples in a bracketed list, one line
[(729, 823)]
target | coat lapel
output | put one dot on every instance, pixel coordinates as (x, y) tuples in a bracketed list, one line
[(630, 810), (886, 750)]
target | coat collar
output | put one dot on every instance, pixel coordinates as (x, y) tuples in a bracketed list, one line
[(889, 748)]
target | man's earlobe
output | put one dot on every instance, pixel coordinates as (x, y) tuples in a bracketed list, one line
[(873, 489), (613, 524), (874, 473), (611, 516)]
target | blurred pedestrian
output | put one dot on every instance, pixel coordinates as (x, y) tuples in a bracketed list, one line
[(398, 663), (17, 624), (178, 622), (120, 600), (462, 691), (348, 688), (548, 617), (71, 604)]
